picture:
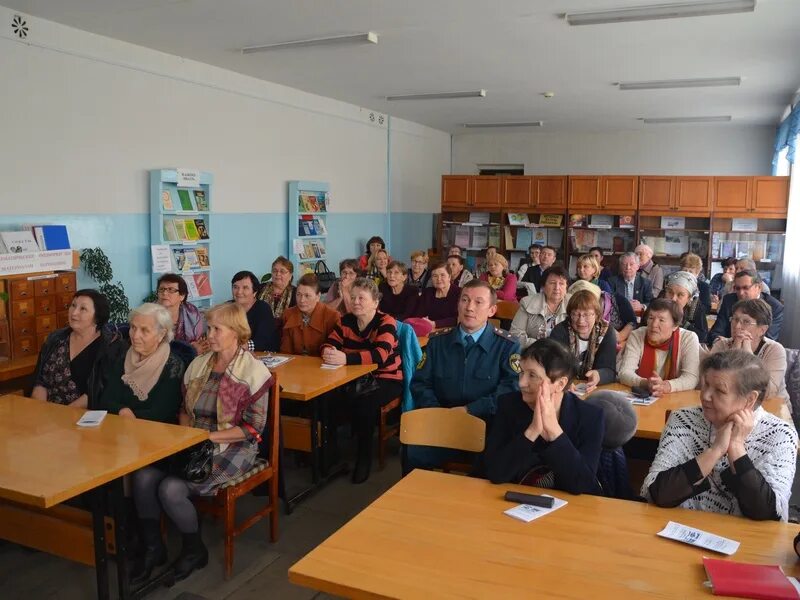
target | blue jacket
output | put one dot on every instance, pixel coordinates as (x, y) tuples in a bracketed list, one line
[(411, 353), (722, 326), (448, 376), (642, 288)]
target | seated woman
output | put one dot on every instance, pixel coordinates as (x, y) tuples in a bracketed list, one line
[(661, 357), (73, 365), (418, 275), (279, 291), (588, 269), (397, 298), (145, 383), (374, 244), (728, 455), (544, 435), (264, 334), (307, 324), (693, 264), (225, 393), (338, 297), (722, 283), (459, 275), (750, 321), (498, 276), (616, 310), (376, 268), (590, 339), (438, 305), (681, 288), (539, 313), (483, 267), (188, 323), (367, 336)]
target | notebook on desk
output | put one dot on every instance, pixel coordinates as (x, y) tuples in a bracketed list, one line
[(746, 580)]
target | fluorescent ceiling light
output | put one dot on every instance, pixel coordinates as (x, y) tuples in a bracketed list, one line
[(679, 83), (673, 10), (361, 38), (668, 120), (440, 96), (504, 124)]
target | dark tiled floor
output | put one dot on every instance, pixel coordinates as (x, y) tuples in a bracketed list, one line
[(260, 568)]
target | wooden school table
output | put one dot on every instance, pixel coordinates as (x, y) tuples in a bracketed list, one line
[(45, 459), (653, 418), (303, 380), (445, 536)]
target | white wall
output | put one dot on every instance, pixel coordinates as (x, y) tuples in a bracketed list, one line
[(659, 150)]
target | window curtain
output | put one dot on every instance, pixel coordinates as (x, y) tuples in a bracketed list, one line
[(788, 138)]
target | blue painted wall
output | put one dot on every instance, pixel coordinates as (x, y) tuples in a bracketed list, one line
[(411, 231)]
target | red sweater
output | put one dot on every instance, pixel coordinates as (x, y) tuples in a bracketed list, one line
[(377, 344)]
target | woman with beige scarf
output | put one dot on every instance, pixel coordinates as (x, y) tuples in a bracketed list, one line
[(225, 393)]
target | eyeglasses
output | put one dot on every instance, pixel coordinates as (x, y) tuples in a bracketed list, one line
[(419, 261), (742, 288), (743, 322), (163, 290), (586, 316), (280, 271)]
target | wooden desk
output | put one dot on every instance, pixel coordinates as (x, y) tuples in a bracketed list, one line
[(303, 379), (445, 536), (46, 459), (652, 418), (20, 367)]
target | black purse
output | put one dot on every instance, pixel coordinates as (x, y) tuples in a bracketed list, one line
[(325, 277), (193, 464), (363, 386)]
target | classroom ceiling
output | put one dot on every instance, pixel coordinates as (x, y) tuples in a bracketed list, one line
[(515, 49)]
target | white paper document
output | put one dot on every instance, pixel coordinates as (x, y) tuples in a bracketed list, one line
[(275, 360), (698, 537), (162, 258), (92, 418), (329, 367), (528, 513)]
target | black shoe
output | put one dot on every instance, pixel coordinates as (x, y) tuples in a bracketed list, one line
[(155, 554), (194, 555), (364, 460)]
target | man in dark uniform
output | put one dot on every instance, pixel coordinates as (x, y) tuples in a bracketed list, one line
[(464, 368)]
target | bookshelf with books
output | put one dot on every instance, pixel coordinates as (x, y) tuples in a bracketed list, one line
[(672, 235), (761, 240), (472, 231), (181, 218), (615, 234), (309, 203), (521, 230)]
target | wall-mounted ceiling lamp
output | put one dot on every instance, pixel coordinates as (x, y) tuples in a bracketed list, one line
[(360, 38), (668, 84), (440, 96), (674, 10), (669, 120), (504, 124)]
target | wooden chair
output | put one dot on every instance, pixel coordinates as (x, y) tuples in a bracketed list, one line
[(443, 428), (223, 504), (506, 310), (386, 430)]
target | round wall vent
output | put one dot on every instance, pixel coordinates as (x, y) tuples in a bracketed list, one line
[(20, 27)]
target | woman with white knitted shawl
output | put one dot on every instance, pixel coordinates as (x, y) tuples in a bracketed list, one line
[(728, 455)]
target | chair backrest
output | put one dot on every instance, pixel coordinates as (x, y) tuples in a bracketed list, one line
[(273, 422), (443, 428), (506, 309), (411, 354)]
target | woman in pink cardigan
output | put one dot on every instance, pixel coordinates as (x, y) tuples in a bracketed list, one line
[(503, 282)]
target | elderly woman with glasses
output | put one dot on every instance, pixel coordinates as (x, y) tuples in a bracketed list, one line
[(749, 324), (188, 323), (418, 275), (338, 296), (727, 455), (279, 291)]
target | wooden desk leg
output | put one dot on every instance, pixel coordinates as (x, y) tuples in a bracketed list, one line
[(98, 499)]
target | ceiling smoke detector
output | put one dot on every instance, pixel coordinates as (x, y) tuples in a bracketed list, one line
[(19, 26)]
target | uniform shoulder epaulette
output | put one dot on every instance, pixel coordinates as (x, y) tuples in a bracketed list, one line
[(438, 332), (504, 334)]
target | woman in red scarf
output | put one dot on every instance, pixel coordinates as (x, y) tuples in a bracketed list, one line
[(661, 357)]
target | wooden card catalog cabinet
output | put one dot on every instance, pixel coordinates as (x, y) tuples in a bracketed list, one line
[(37, 306)]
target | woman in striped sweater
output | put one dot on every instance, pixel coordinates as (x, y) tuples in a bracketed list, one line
[(367, 336)]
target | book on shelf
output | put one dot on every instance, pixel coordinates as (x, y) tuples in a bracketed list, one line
[(518, 219), (675, 244), (203, 283), (202, 231), (169, 197), (601, 221), (18, 242), (51, 237), (728, 248), (200, 200), (202, 256), (180, 259), (604, 238), (618, 244), (312, 202), (539, 236), (194, 293), (656, 243), (166, 200), (555, 238), (319, 224), (577, 220), (462, 236), (191, 230), (186, 201), (748, 580), (524, 238), (698, 246), (673, 222), (626, 222), (479, 218), (509, 239), (766, 277), (583, 239), (551, 220), (480, 237), (190, 259), (170, 234), (494, 235), (180, 229)]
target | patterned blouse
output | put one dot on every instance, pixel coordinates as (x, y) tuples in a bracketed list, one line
[(233, 459), (65, 379)]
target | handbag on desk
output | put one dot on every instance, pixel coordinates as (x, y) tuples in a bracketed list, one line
[(193, 464), (325, 277)]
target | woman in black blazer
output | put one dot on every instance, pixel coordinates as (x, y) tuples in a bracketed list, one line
[(544, 435)]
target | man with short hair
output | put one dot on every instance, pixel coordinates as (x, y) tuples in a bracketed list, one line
[(649, 269), (532, 281), (465, 368), (746, 286), (748, 264), (631, 283)]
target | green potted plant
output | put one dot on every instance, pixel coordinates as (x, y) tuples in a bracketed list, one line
[(98, 267)]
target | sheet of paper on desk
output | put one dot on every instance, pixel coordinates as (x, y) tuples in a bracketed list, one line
[(698, 537), (636, 401), (275, 360), (528, 513), (330, 367), (92, 418)]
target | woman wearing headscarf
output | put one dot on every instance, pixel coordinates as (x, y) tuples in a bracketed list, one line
[(681, 288)]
